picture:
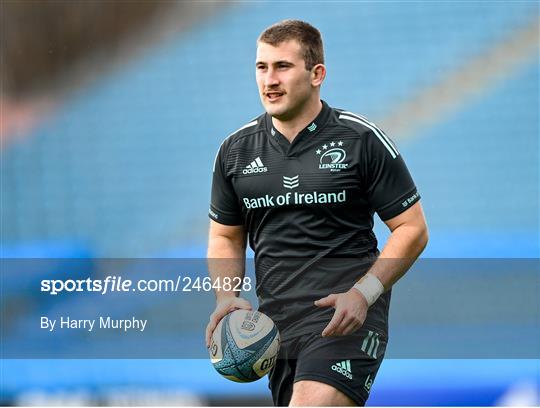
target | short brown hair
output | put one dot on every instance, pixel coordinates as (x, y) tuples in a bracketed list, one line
[(308, 36)]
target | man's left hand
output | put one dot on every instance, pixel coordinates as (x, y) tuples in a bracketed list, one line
[(350, 312)]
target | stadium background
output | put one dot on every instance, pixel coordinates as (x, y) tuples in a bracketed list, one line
[(112, 114)]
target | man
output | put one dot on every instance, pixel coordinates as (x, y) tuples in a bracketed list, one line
[(302, 182)]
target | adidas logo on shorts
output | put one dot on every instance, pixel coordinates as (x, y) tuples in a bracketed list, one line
[(256, 166), (344, 368)]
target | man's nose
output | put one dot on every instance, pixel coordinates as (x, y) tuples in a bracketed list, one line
[(271, 79)]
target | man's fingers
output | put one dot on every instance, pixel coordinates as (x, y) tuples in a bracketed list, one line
[(334, 323), (210, 329), (329, 300), (215, 318), (350, 328), (207, 336), (221, 311), (235, 304), (243, 304), (341, 328)]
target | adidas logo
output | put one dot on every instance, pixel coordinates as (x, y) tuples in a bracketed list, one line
[(344, 368), (256, 166), (291, 182)]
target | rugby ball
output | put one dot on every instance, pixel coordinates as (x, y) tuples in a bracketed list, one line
[(244, 346)]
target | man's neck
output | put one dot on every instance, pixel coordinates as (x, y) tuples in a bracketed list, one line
[(291, 128)]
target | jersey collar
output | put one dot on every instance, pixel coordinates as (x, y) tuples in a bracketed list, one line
[(308, 132)]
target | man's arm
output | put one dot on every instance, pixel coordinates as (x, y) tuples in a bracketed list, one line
[(408, 238), (226, 258)]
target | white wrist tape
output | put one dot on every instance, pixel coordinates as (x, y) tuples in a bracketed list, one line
[(371, 287)]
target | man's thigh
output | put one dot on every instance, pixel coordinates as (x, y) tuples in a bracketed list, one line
[(315, 393)]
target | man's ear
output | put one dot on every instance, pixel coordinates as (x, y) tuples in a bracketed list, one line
[(318, 73)]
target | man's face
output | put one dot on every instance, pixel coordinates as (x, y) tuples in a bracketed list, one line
[(283, 81)]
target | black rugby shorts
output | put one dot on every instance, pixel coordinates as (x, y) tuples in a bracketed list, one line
[(347, 363)]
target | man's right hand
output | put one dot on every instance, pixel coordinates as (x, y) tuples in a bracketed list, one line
[(224, 307)]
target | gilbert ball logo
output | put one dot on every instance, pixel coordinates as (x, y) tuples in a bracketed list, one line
[(332, 157)]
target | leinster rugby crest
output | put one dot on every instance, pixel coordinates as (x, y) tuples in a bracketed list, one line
[(331, 156)]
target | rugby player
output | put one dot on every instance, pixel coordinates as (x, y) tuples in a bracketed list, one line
[(301, 184)]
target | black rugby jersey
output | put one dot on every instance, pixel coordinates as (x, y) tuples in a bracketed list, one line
[(308, 207)]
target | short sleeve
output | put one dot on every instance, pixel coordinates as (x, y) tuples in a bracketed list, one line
[(224, 204), (390, 187)]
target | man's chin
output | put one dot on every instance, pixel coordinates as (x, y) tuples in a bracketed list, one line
[(276, 112)]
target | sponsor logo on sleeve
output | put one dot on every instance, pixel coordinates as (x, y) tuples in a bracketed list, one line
[(410, 200)]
